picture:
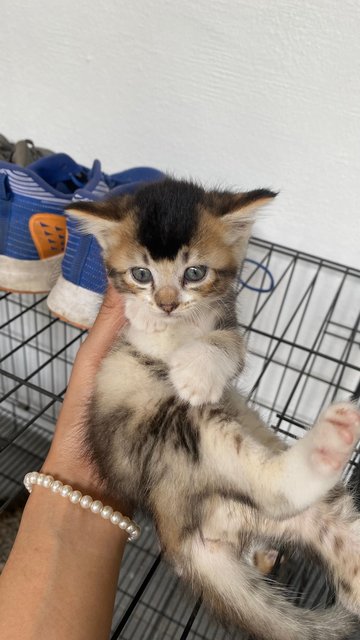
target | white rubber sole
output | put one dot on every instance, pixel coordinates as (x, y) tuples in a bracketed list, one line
[(29, 276), (74, 304)]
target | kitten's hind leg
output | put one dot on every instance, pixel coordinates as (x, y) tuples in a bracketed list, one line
[(286, 482), (238, 594), (265, 559), (318, 459), (331, 528)]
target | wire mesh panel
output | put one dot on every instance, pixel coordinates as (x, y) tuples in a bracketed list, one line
[(300, 316)]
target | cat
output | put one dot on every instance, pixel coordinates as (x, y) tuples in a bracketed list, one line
[(169, 432)]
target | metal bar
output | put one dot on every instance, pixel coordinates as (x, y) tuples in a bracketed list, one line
[(24, 342), (312, 350), (26, 383), (5, 324), (191, 620), (282, 340), (290, 367), (125, 618), (29, 423), (306, 257), (44, 364)]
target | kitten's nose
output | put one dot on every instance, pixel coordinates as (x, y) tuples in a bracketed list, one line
[(167, 298), (169, 307)]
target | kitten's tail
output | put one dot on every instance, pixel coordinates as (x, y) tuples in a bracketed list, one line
[(236, 592)]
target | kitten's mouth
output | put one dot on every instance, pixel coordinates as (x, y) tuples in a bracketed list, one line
[(169, 316), (165, 315)]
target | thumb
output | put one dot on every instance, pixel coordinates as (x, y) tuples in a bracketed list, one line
[(110, 320)]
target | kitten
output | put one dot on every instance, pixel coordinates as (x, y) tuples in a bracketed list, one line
[(168, 431)]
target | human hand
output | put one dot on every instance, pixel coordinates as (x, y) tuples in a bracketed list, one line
[(68, 459)]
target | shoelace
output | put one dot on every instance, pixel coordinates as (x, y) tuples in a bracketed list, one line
[(73, 182)]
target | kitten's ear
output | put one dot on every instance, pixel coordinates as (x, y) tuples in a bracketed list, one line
[(237, 211), (101, 218)]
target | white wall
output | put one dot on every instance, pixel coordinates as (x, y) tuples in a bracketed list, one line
[(237, 92)]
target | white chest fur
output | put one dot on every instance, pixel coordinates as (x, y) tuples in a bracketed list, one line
[(160, 340), (161, 344)]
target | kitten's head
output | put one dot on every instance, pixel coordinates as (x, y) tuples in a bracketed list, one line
[(172, 245)]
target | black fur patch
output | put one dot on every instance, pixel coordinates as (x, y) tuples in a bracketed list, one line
[(346, 586), (215, 412), (194, 515), (335, 494), (250, 197), (218, 413), (168, 216), (172, 422), (157, 367), (236, 496), (100, 436), (223, 202)]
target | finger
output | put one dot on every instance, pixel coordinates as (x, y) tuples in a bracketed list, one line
[(110, 320), (107, 326)]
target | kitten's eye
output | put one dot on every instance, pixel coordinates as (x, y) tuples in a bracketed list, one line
[(195, 274), (140, 274)]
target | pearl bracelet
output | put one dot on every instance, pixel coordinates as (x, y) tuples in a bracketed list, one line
[(86, 502)]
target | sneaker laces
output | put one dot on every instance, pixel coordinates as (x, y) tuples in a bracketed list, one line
[(78, 179)]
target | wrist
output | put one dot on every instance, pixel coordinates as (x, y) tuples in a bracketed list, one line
[(84, 479), (77, 473), (70, 558), (62, 524)]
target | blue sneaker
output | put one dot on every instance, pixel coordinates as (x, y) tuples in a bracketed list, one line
[(32, 219), (78, 293)]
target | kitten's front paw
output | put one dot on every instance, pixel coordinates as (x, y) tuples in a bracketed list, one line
[(197, 374), (335, 435)]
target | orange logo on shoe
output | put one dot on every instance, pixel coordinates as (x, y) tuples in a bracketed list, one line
[(48, 232)]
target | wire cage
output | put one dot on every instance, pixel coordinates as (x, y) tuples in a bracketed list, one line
[(300, 315)]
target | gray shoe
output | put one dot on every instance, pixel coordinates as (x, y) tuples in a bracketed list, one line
[(21, 153)]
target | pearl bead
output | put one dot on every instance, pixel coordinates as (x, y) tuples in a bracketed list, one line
[(135, 534), (47, 482), (86, 502), (33, 477), (115, 517), (65, 491), (56, 486), (40, 479), (75, 497), (96, 506), (124, 522), (106, 513)]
